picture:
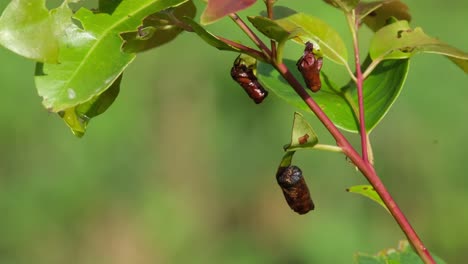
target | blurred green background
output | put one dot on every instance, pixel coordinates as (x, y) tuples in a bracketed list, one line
[(181, 169)]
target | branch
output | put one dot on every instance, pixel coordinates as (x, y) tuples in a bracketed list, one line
[(365, 167), (361, 163)]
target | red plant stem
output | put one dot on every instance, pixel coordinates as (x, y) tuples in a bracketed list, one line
[(364, 166), (254, 53), (359, 85), (269, 6), (251, 34)]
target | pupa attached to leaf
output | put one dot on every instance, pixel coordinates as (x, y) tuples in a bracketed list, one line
[(310, 65), (295, 189), (243, 73)]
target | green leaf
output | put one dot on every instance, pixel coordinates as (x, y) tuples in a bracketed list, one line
[(91, 58), (404, 254), (157, 29), (270, 28), (345, 5), (280, 12), (302, 136), (398, 40), (217, 9), (309, 28), (367, 191), (208, 37), (78, 117), (108, 6), (27, 28), (377, 14), (287, 159), (381, 89)]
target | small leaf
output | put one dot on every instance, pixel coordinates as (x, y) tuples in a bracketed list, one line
[(381, 89), (27, 28), (302, 136), (398, 40), (379, 17), (404, 254), (287, 159), (309, 28), (369, 192), (78, 117), (157, 29), (208, 37), (91, 58), (217, 9), (345, 5), (270, 28)]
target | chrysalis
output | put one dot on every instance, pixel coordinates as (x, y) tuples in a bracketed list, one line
[(244, 75), (309, 65), (294, 189)]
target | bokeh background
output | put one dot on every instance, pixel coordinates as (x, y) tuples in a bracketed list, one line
[(181, 169)]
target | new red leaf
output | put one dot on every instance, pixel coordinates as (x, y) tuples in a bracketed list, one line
[(218, 9)]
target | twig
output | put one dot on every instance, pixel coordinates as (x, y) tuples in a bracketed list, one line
[(269, 6), (251, 35), (353, 25), (365, 167), (248, 50)]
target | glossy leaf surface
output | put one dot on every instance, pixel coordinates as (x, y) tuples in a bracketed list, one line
[(309, 28), (28, 29), (217, 9), (367, 191), (91, 58), (302, 136), (381, 89), (398, 40), (78, 117)]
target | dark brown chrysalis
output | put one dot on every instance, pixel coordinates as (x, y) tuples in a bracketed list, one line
[(244, 75), (295, 189), (309, 65)]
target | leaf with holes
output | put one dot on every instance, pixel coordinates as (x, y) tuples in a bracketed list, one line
[(398, 40), (91, 58), (376, 16)]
